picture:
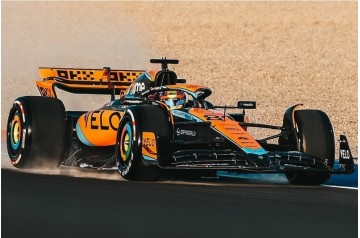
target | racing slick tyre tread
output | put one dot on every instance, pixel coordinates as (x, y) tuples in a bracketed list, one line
[(315, 137), (36, 132), (129, 155)]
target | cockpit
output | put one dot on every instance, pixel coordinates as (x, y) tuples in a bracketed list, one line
[(176, 99)]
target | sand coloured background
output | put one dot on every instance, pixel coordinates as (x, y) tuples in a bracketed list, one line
[(277, 53)]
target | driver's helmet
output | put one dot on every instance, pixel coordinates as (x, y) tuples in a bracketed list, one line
[(174, 99)]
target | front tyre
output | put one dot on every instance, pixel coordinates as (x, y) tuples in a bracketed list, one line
[(36, 132), (315, 137), (128, 152)]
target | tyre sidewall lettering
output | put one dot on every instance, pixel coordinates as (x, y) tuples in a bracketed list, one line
[(18, 110)]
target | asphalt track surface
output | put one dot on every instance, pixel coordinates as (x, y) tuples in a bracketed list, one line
[(70, 202), (41, 205)]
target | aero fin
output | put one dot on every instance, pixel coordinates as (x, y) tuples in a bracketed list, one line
[(345, 157)]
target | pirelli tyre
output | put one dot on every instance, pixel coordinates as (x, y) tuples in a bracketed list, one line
[(128, 151), (36, 132), (315, 136)]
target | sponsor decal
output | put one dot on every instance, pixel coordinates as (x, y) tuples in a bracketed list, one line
[(139, 86), (88, 75), (133, 101), (149, 149), (247, 104), (214, 117), (345, 154), (232, 128), (103, 122), (148, 142), (237, 133), (23, 138), (180, 132), (76, 75)]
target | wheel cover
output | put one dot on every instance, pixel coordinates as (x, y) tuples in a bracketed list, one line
[(15, 132), (126, 143), (15, 135)]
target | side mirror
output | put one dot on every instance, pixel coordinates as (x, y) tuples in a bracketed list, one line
[(246, 104), (181, 81)]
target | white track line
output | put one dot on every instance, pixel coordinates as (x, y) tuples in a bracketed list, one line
[(334, 186)]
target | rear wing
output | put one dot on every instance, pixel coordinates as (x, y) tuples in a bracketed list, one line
[(85, 81)]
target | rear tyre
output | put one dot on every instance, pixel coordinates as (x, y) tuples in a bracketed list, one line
[(36, 132), (128, 152), (315, 137)]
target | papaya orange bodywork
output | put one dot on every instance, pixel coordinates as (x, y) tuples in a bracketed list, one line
[(227, 127), (149, 147), (99, 128)]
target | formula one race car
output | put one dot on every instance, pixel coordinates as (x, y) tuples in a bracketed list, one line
[(161, 123)]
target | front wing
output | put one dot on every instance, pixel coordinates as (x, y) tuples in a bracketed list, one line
[(272, 162)]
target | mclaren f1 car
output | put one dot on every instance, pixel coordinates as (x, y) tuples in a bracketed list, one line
[(155, 122)]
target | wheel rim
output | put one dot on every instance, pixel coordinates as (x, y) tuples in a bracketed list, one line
[(125, 145), (14, 134)]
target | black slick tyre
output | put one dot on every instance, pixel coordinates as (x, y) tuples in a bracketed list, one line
[(315, 136), (36, 132)]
